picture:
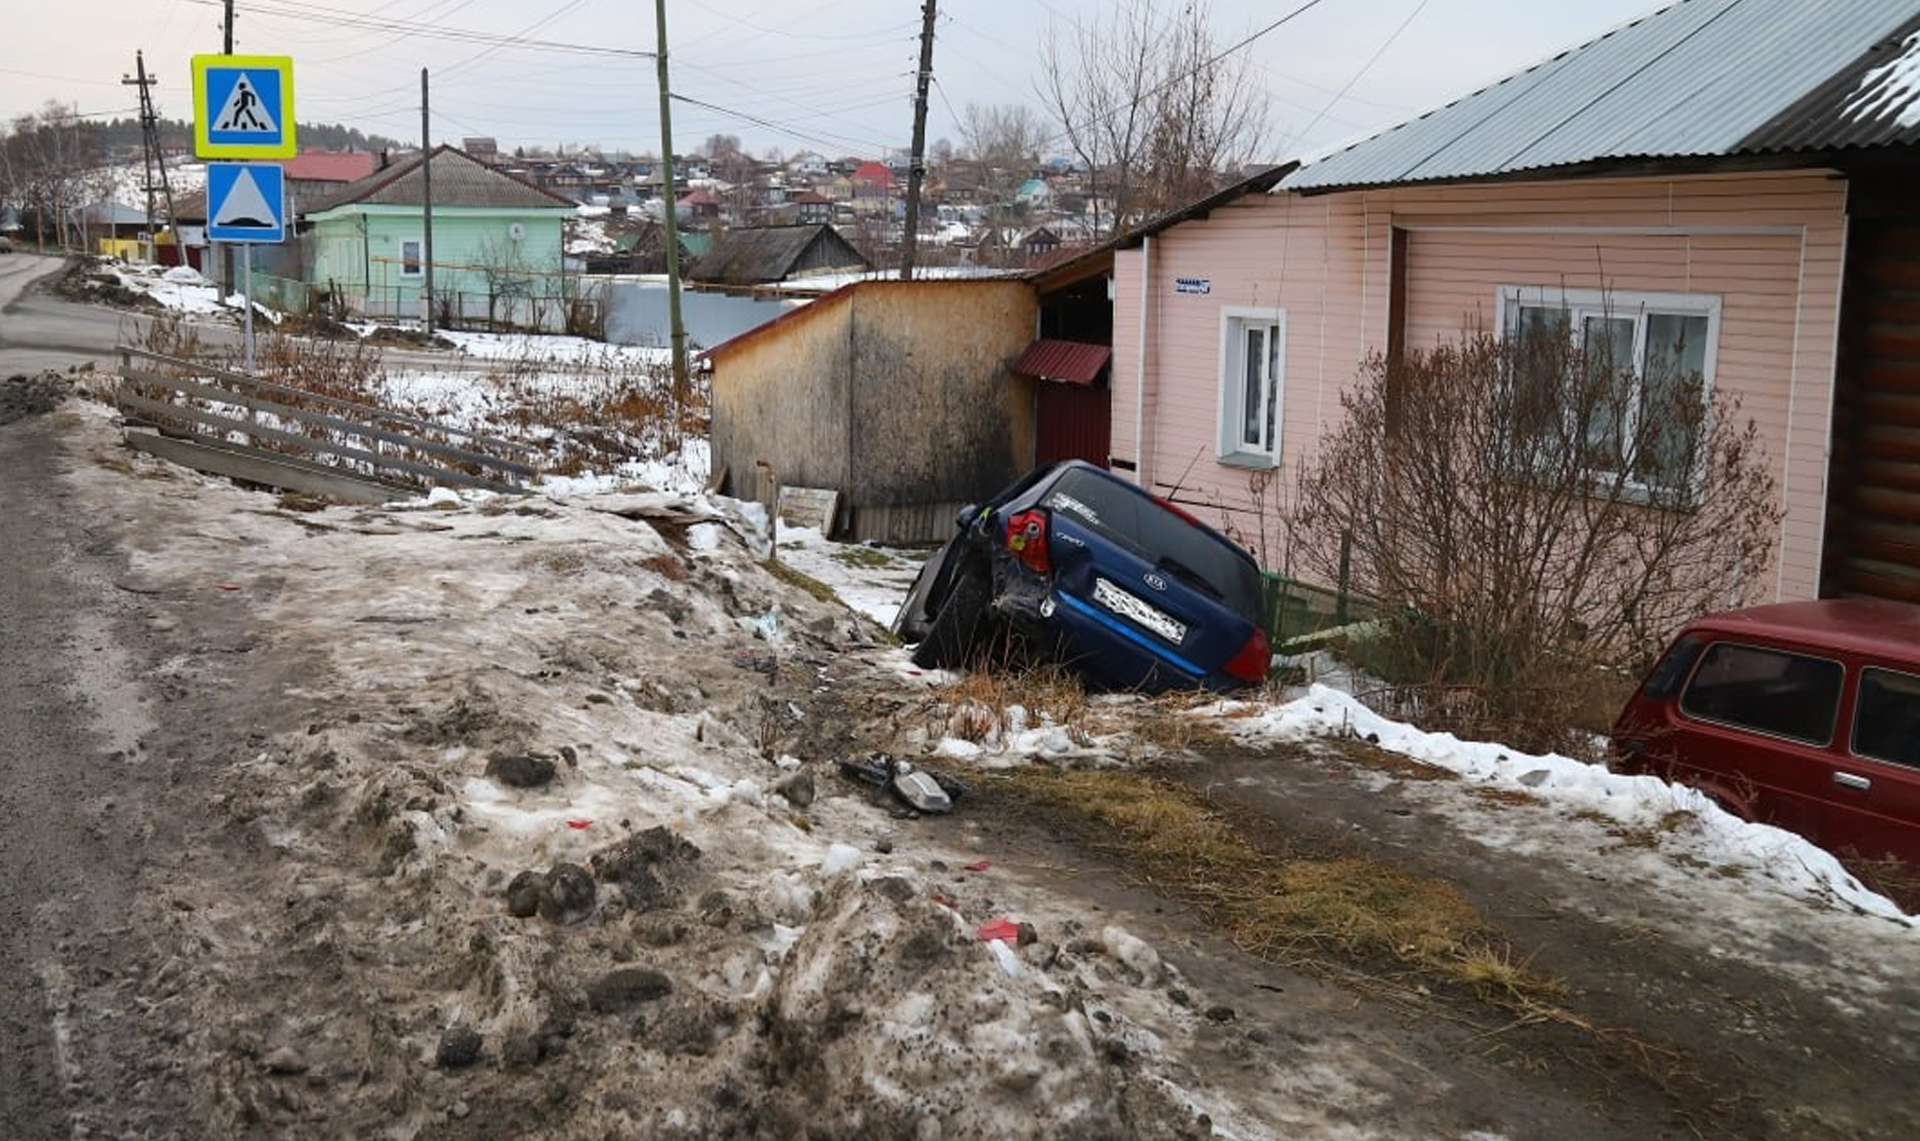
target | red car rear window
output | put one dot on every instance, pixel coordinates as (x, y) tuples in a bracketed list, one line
[(1766, 690)]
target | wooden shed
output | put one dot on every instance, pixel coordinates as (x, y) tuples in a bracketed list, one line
[(766, 254), (898, 395)]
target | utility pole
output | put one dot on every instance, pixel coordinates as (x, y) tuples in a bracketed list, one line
[(222, 256), (917, 161), (426, 198), (677, 332), (155, 157)]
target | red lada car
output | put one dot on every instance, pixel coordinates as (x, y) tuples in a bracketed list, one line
[(1804, 715)]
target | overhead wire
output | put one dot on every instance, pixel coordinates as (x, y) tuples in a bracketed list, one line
[(335, 16)]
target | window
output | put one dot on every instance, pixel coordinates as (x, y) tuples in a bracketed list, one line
[(410, 257), (1159, 533), (1620, 379), (1769, 691), (1251, 351), (1886, 724)]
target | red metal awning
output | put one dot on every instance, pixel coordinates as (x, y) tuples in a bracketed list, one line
[(1070, 362)]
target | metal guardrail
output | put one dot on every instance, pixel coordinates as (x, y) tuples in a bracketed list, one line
[(246, 428)]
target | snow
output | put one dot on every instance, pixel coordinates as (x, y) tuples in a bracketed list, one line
[(445, 572), (1891, 90)]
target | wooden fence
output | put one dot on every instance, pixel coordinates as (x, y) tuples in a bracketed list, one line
[(255, 430)]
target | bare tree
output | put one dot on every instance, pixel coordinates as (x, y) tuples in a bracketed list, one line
[(49, 166), (1003, 142), (1524, 510), (1151, 105)]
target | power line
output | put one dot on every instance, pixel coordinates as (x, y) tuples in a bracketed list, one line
[(822, 140), (1173, 81), (1364, 68), (338, 18)]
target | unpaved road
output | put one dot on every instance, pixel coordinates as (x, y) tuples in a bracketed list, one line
[(228, 733)]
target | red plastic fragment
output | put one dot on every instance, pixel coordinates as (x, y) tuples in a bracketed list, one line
[(1003, 929), (978, 866), (580, 825)]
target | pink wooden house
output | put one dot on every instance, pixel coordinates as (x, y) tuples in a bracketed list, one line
[(1736, 168)]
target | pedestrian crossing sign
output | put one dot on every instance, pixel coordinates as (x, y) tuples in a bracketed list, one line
[(243, 106), (246, 202)]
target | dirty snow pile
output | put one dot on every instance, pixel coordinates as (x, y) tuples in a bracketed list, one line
[(552, 839), (181, 288)]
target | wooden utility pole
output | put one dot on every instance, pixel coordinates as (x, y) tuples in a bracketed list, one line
[(917, 161), (676, 331), (154, 154), (426, 200), (223, 252)]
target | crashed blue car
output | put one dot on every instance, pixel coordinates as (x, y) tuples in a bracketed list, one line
[(1083, 568)]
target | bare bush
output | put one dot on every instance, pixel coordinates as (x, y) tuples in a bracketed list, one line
[(1526, 512)]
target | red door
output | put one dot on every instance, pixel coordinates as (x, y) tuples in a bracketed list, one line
[(1075, 423)]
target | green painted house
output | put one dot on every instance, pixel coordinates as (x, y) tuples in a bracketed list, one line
[(496, 246)]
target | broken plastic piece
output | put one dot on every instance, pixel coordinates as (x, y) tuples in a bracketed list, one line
[(1002, 929), (579, 825), (1003, 954), (977, 866), (922, 792)]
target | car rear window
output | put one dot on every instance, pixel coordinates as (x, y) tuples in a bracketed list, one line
[(1147, 528), (1886, 719), (1768, 690)]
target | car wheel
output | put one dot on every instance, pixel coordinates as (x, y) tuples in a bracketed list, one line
[(956, 630)]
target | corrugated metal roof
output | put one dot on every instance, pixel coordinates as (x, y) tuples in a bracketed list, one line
[(1074, 362), (1698, 78), (1873, 102)]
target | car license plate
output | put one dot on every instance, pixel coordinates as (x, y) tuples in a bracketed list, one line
[(1141, 611)]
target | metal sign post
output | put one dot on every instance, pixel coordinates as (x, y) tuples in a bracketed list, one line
[(246, 203), (243, 109)]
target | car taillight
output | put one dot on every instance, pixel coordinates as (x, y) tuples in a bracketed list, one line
[(1250, 664), (1027, 539)]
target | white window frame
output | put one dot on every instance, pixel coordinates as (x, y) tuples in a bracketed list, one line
[(1236, 322), (1581, 304), (420, 258)]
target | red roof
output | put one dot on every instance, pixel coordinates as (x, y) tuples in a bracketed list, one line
[(1073, 362), (329, 166)]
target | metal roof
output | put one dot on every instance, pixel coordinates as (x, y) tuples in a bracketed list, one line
[(1873, 102), (1072, 362), (1696, 79)]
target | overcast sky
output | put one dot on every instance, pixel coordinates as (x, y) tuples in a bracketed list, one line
[(834, 76)]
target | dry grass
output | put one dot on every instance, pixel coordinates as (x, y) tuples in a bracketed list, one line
[(979, 705), (575, 414), (1281, 907), (1372, 756), (1897, 880), (981, 702), (801, 579)]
